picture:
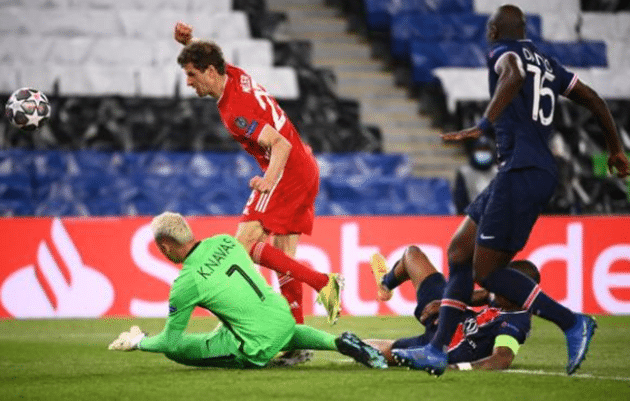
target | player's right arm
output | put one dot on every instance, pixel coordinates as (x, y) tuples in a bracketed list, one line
[(279, 149), (583, 95), (181, 306)]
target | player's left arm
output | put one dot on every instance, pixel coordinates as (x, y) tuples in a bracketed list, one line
[(279, 149), (585, 96), (505, 350), (511, 78)]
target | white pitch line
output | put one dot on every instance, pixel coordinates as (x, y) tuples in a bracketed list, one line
[(577, 375)]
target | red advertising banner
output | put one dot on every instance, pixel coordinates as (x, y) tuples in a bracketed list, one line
[(93, 267)]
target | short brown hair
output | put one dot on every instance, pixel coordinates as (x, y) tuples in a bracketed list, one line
[(202, 54)]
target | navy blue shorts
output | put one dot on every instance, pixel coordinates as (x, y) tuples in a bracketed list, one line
[(507, 209), (430, 289)]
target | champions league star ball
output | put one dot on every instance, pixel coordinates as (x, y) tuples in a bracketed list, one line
[(27, 109)]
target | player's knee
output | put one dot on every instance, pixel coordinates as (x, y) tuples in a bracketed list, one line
[(246, 242), (457, 253), (479, 277), (413, 252)]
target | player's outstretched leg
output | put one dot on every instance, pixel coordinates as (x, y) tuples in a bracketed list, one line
[(351, 345), (578, 339), (329, 297), (427, 358)]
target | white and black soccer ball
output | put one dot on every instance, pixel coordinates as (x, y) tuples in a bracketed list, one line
[(27, 109)]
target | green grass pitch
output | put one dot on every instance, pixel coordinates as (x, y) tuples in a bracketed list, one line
[(69, 360)]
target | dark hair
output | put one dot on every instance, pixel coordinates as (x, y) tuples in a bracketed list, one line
[(526, 267), (202, 54)]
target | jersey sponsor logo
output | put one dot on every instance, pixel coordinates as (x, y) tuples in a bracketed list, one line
[(58, 283), (482, 236), (252, 127), (240, 122)]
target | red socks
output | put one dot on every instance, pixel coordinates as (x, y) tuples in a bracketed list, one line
[(274, 259), (292, 290)]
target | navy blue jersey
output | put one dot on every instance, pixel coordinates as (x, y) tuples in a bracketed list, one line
[(523, 129), (475, 336)]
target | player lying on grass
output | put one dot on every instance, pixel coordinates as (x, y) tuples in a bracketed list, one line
[(256, 322), (488, 339)]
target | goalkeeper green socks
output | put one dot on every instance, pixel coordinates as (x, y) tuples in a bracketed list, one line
[(306, 337)]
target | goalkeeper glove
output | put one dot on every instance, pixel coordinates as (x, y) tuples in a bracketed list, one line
[(127, 340)]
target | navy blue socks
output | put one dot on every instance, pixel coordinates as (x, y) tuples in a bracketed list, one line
[(455, 299), (524, 291)]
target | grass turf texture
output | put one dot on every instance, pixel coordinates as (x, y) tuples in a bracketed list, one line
[(69, 360)]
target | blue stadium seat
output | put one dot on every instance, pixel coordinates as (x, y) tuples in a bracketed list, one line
[(146, 183), (458, 27), (430, 196), (583, 54), (16, 195)]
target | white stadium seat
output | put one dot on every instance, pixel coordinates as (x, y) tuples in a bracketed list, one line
[(160, 81), (560, 27), (599, 26), (8, 78), (280, 82), (471, 84), (122, 51), (74, 22), (13, 21), (71, 51), (24, 49), (462, 84), (214, 6), (41, 76), (253, 52), (166, 52)]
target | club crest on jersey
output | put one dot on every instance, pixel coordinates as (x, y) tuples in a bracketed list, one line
[(240, 122), (246, 83)]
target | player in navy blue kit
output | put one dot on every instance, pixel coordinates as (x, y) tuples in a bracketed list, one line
[(524, 86), (487, 339)]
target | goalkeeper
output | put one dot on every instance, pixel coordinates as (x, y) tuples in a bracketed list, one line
[(256, 322)]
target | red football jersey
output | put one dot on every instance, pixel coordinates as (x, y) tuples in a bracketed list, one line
[(246, 108)]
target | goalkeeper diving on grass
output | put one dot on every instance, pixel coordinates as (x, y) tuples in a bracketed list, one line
[(256, 322)]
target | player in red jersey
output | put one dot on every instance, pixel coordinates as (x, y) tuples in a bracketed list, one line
[(282, 201)]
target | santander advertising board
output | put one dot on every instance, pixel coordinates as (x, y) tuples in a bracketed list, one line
[(95, 267)]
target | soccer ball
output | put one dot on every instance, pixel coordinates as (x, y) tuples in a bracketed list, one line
[(27, 109)]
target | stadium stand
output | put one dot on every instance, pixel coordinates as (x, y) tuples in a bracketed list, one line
[(98, 183), (127, 138), (437, 48)]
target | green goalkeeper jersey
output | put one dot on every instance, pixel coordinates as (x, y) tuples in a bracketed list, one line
[(219, 275)]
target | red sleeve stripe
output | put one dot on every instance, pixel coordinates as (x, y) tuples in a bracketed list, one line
[(571, 85), (532, 296)]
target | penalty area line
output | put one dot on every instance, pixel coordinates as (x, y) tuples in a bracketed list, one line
[(576, 375)]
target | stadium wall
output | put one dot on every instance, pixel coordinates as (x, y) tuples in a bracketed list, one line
[(96, 267)]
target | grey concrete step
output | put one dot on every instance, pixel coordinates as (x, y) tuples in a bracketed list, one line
[(321, 25), (279, 5), (297, 12), (327, 50), (362, 78), (371, 91), (394, 105)]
